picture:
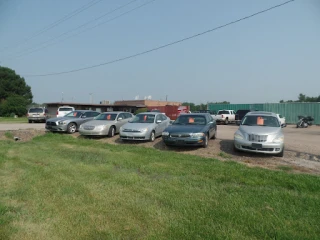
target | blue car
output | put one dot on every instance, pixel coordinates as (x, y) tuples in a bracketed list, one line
[(193, 129)]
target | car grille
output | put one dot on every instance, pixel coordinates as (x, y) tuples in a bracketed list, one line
[(51, 123), (180, 135), (130, 130), (257, 138), (88, 127), (261, 149)]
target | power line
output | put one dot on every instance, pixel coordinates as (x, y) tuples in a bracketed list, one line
[(163, 46), (56, 23), (35, 49)]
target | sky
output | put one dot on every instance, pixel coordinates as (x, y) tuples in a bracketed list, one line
[(263, 59)]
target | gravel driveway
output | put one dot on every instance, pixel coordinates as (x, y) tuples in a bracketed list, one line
[(302, 147)]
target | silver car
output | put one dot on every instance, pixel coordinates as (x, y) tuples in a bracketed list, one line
[(145, 126), (260, 132), (70, 122), (105, 124)]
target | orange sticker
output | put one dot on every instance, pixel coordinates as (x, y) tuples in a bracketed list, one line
[(74, 114), (145, 118), (109, 117), (191, 120), (260, 121)]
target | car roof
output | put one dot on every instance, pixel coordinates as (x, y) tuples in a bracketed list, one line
[(194, 114), (261, 113)]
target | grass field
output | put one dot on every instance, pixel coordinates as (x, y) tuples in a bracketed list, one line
[(13, 120), (60, 187)]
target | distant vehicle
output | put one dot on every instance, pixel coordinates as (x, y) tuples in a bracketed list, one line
[(194, 129), (225, 116), (63, 110), (105, 124), (260, 132), (240, 114), (144, 126), (70, 122), (171, 111), (37, 114)]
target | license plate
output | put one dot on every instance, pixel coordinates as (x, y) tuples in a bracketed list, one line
[(256, 145)]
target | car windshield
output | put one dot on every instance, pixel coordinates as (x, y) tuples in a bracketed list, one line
[(223, 112), (143, 118), (74, 114), (35, 110), (190, 119), (65, 109), (106, 116), (267, 121)]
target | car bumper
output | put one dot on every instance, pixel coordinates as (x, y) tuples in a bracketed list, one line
[(137, 136), (264, 147), (93, 132), (37, 118), (59, 128), (183, 141)]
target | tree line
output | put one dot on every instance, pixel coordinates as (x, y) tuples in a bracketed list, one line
[(15, 94), (202, 106), (303, 98)]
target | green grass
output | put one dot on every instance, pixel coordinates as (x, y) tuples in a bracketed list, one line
[(13, 120), (59, 187), (8, 134)]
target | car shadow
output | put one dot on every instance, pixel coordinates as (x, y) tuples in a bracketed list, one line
[(227, 147), (160, 145)]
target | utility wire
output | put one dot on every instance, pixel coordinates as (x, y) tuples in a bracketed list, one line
[(160, 47), (35, 49), (56, 23)]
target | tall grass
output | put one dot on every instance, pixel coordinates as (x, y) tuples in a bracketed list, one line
[(58, 187)]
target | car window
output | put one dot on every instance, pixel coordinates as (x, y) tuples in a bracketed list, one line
[(65, 109), (163, 117), (128, 115), (106, 116), (265, 121), (191, 119), (121, 115), (158, 117), (74, 114), (143, 118), (35, 110), (223, 112)]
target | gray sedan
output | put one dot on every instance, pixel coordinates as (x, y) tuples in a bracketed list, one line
[(145, 126), (260, 132), (70, 122), (106, 124)]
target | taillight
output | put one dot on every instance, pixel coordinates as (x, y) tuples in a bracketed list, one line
[(57, 112)]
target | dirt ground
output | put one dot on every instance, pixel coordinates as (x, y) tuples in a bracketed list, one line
[(302, 153)]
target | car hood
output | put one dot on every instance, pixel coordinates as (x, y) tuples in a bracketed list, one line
[(60, 119), (137, 126), (185, 128), (98, 123), (260, 130)]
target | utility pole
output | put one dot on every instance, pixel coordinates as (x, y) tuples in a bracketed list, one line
[(62, 97), (90, 97), (166, 98)]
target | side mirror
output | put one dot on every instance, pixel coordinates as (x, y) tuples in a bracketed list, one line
[(83, 116), (159, 121), (120, 118)]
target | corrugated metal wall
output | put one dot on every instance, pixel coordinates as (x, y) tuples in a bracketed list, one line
[(290, 111)]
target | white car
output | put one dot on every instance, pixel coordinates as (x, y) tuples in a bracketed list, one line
[(63, 110), (282, 120)]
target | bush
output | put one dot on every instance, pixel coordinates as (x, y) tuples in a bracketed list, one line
[(140, 110)]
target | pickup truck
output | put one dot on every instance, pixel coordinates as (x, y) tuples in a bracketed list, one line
[(224, 116)]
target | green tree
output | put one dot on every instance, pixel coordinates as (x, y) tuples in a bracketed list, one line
[(15, 94)]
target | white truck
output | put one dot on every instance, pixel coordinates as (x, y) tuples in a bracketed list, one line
[(225, 116)]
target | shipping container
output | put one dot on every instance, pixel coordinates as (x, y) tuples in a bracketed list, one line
[(169, 110)]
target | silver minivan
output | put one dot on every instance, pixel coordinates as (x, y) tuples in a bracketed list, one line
[(37, 114)]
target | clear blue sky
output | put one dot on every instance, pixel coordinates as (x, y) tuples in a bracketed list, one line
[(266, 58)]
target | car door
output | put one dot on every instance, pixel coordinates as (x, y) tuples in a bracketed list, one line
[(212, 126), (158, 126), (121, 120)]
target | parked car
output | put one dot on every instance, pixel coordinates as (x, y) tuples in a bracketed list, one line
[(225, 116), (144, 126), (105, 124), (282, 120), (63, 110), (194, 129), (37, 114), (260, 132), (240, 114), (70, 122)]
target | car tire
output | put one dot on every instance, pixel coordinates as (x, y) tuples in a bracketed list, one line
[(29, 121), (205, 142), (226, 122), (71, 128), (111, 131), (280, 154), (152, 136)]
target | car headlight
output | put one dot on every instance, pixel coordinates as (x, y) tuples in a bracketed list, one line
[(62, 122), (194, 135), (144, 130), (81, 127), (238, 136), (165, 133), (278, 139)]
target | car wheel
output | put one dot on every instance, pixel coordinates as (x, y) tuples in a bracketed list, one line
[(111, 131), (29, 121), (280, 154), (226, 122), (152, 136), (205, 141), (71, 128)]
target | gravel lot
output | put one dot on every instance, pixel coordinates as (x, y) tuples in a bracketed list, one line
[(302, 152)]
